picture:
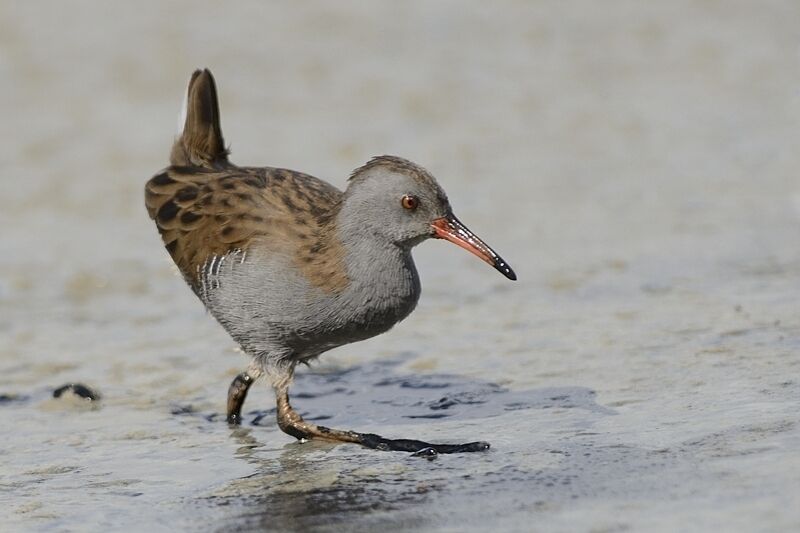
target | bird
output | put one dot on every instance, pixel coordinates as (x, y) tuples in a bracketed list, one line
[(290, 265)]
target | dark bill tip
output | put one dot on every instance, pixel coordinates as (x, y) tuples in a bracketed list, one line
[(505, 270)]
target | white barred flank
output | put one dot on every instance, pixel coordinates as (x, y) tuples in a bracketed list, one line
[(208, 274)]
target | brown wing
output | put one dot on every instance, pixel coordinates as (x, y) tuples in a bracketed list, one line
[(204, 213)]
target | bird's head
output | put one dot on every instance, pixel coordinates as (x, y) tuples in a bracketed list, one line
[(400, 202)]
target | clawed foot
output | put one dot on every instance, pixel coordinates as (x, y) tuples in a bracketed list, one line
[(418, 447), (235, 419)]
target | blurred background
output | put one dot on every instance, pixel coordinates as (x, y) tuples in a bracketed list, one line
[(635, 162)]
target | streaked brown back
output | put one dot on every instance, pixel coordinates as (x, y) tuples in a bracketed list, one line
[(203, 213)]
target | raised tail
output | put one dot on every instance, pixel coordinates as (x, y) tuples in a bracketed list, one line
[(200, 143)]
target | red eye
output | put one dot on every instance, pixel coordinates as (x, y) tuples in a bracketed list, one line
[(409, 201)]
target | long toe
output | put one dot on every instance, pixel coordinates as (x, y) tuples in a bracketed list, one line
[(418, 447)]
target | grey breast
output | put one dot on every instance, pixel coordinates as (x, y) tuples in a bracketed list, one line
[(268, 307)]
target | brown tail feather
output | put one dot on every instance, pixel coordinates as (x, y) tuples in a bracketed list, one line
[(201, 142)]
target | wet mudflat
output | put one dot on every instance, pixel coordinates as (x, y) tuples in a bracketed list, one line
[(636, 164)]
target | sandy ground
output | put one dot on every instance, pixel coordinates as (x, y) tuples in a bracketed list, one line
[(636, 163)]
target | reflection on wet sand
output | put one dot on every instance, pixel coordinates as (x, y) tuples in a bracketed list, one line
[(305, 487)]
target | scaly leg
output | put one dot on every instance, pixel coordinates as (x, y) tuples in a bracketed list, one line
[(293, 424), (237, 392)]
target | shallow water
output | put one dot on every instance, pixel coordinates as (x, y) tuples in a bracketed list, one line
[(636, 165)]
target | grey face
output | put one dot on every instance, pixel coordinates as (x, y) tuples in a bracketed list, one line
[(396, 201), (397, 206)]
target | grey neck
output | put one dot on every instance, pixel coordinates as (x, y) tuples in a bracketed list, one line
[(382, 274)]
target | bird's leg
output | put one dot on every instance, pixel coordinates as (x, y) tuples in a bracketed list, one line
[(237, 392), (293, 424)]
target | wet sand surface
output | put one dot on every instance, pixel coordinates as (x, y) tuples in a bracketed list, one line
[(637, 164)]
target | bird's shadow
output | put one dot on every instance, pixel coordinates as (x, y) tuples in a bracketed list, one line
[(380, 393)]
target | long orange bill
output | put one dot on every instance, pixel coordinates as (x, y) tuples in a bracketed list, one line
[(450, 228)]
